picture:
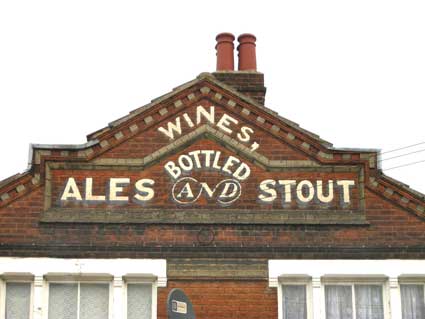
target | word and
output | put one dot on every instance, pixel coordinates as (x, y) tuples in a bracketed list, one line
[(304, 191), (187, 190), (226, 123)]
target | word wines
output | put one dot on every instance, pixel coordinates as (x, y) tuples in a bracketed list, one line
[(224, 123)]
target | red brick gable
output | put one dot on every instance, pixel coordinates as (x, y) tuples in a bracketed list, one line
[(136, 136)]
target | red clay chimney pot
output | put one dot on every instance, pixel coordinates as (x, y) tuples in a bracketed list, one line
[(247, 55), (225, 48)]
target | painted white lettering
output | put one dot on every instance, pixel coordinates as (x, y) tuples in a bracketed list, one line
[(186, 192), (229, 191), (89, 192), (71, 191), (305, 187), (195, 155), (225, 121), (207, 154), (116, 186), (208, 159), (185, 162), (200, 111), (216, 158), (242, 172), (188, 120), (207, 189), (268, 194), (144, 190), (346, 189), (254, 146), (321, 196), (287, 191), (173, 170), (244, 135), (231, 160), (171, 127)]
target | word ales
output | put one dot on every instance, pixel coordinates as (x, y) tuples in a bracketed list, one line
[(143, 191)]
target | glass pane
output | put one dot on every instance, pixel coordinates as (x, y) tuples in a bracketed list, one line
[(294, 302), (63, 301), (412, 301), (369, 303), (139, 301), (339, 304), (94, 301), (18, 296)]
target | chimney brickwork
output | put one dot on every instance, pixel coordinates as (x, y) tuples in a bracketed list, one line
[(248, 83), (246, 80)]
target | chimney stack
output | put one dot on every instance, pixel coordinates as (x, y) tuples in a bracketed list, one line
[(246, 80), (247, 56), (225, 49)]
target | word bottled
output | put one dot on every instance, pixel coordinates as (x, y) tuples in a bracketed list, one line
[(209, 160)]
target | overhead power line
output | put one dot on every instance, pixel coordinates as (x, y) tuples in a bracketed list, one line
[(408, 164), (402, 155), (402, 148)]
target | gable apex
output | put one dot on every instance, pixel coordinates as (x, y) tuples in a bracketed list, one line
[(211, 80), (210, 87)]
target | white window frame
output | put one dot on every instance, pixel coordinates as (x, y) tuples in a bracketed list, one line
[(295, 281), (411, 280), (358, 281), (40, 272), (131, 279), (389, 272), (15, 278), (80, 280)]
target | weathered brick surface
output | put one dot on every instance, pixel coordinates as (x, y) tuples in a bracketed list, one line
[(163, 183), (148, 142), (393, 228), (248, 83), (392, 233), (225, 299)]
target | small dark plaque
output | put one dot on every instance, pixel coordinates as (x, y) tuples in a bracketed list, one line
[(179, 305)]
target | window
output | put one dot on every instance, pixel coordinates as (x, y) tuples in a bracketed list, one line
[(294, 299), (79, 300), (412, 301), (62, 288), (18, 300), (139, 301), (353, 289), (354, 302)]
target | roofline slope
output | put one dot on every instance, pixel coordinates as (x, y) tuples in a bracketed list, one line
[(39, 153)]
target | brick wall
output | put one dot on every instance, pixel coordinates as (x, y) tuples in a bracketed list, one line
[(248, 83), (391, 233), (213, 256), (224, 299)]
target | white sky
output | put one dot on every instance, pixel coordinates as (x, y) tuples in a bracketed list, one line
[(351, 71)]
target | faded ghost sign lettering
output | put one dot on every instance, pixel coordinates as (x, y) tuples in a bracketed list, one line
[(187, 190), (210, 160), (212, 178), (113, 194), (225, 123), (304, 191)]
